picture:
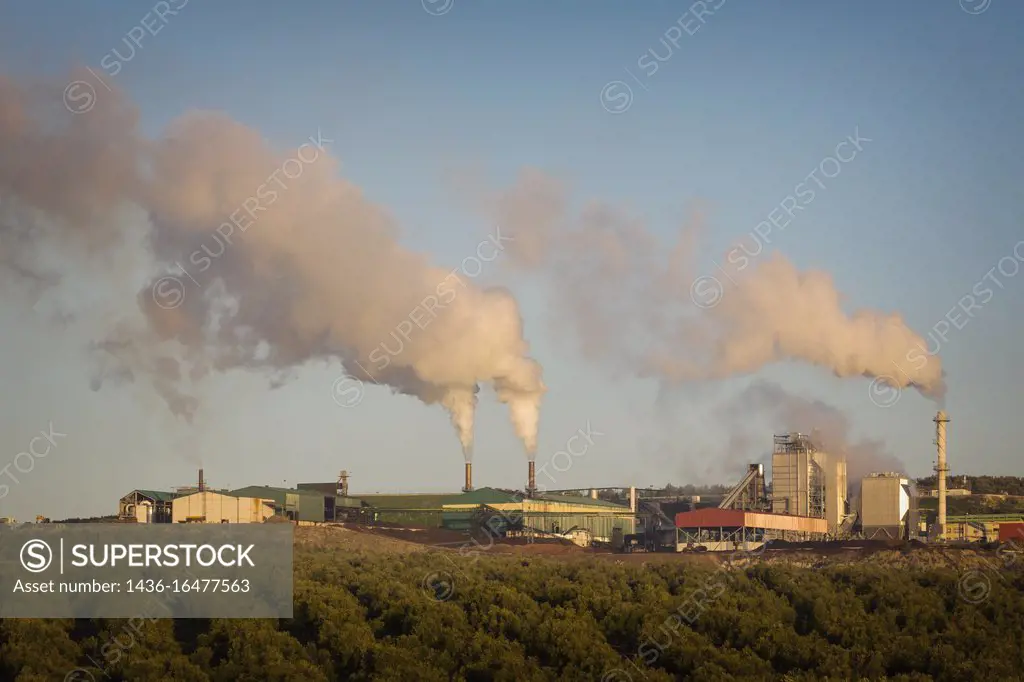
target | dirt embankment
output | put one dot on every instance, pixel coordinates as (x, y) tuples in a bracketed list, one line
[(394, 540)]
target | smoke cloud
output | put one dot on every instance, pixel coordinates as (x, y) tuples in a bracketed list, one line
[(246, 259), (628, 299), (239, 257), (829, 428)]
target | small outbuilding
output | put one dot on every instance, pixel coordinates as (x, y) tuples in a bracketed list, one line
[(146, 506)]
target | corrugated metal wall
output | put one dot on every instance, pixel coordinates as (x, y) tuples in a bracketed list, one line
[(429, 518), (599, 525), (459, 520), (305, 507), (790, 482)]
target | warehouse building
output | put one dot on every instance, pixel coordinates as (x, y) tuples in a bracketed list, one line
[(220, 507), (146, 506), (505, 512), (723, 530), (583, 519)]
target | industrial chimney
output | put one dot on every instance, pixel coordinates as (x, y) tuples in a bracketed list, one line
[(469, 478), (531, 481), (202, 485), (941, 470)]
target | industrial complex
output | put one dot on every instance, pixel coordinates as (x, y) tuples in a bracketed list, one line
[(805, 499)]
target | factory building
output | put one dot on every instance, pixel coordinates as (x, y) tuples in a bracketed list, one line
[(583, 518), (722, 530), (146, 506), (209, 506), (979, 527), (886, 500), (809, 482), (252, 504), (504, 512), (302, 504), (809, 500)]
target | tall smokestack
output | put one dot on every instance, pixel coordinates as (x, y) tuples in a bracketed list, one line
[(941, 419), (531, 480), (469, 477), (202, 486)]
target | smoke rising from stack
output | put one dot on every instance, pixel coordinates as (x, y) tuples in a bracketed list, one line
[(630, 306), (244, 261), (317, 274), (461, 405)]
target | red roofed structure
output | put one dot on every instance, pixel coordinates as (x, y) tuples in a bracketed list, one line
[(722, 529)]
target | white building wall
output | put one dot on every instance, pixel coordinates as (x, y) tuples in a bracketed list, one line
[(219, 508), (144, 513)]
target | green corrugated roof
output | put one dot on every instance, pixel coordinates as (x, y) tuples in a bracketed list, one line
[(498, 496), (409, 502), (577, 499), (436, 501), (156, 495), (329, 488), (271, 492), (486, 496)]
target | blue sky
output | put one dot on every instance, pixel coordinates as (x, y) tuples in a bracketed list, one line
[(739, 114)]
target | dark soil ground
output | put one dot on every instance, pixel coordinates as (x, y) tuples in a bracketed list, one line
[(401, 540)]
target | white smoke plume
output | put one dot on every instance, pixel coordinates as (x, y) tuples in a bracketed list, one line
[(249, 259), (627, 299)]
